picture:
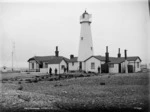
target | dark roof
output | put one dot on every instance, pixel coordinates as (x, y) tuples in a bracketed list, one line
[(49, 59), (115, 59), (133, 58), (75, 59), (55, 61), (102, 58)]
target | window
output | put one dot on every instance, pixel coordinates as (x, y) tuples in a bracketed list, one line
[(91, 48), (92, 65), (32, 65), (81, 38), (137, 64), (46, 65), (72, 63), (62, 66), (111, 65)]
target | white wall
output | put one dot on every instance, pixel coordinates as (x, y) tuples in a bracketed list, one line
[(73, 67), (58, 67), (88, 65), (44, 70), (36, 65), (53, 66), (114, 69), (136, 67)]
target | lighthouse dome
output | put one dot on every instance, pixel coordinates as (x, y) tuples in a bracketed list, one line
[(85, 17)]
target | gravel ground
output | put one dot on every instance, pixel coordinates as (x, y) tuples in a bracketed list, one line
[(120, 91), (11, 98)]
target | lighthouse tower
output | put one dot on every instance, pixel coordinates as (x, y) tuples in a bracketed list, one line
[(85, 45)]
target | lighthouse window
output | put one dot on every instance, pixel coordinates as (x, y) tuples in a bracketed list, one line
[(91, 48), (81, 38)]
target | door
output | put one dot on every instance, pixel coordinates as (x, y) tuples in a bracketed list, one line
[(80, 66)]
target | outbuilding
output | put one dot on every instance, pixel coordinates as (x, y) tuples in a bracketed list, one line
[(73, 64)]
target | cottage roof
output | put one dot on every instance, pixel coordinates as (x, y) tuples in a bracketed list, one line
[(49, 59), (115, 60), (74, 59), (133, 58)]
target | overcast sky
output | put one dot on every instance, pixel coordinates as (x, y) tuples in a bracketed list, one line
[(37, 27)]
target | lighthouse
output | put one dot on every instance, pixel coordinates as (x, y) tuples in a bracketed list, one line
[(85, 43)]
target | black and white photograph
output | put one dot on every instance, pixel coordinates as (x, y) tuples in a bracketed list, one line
[(74, 55)]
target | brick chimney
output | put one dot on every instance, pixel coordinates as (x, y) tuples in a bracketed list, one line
[(71, 56), (107, 60), (125, 54), (119, 55), (126, 62), (106, 55), (56, 52)]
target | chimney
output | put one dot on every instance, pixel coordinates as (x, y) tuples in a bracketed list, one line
[(125, 54), (119, 55), (71, 56), (106, 55), (126, 62), (107, 60), (56, 52)]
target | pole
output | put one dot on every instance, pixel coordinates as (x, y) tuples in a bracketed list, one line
[(13, 47), (12, 60)]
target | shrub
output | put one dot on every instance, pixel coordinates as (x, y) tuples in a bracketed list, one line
[(81, 75), (50, 79), (59, 84), (102, 83), (35, 80), (88, 75), (89, 72), (20, 87), (24, 97), (28, 80), (40, 79), (84, 71), (19, 82), (109, 76), (55, 79), (5, 80)]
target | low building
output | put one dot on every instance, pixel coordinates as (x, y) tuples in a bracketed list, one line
[(135, 62), (116, 65), (59, 64), (96, 64), (73, 64), (43, 63)]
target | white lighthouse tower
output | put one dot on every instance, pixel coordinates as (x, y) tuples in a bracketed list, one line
[(85, 45)]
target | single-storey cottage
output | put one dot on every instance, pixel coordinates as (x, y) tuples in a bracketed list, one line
[(44, 63)]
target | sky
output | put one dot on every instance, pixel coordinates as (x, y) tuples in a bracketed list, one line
[(32, 28)]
